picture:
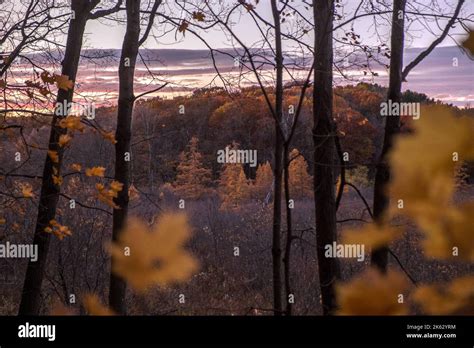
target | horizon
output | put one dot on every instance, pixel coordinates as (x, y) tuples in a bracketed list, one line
[(189, 69)]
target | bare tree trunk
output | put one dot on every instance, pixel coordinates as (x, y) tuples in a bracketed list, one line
[(289, 231), (392, 126), (123, 136), (278, 167), (31, 295), (324, 151)]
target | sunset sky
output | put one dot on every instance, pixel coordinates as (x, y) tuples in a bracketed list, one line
[(455, 87), (184, 61)]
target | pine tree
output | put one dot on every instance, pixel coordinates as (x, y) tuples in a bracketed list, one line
[(300, 180), (263, 181), (192, 178), (233, 185)]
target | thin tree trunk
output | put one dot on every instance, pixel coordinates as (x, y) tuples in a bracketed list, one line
[(379, 257), (30, 303), (278, 168), (289, 233), (123, 135), (324, 150)]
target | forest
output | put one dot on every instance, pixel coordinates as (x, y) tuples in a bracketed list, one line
[(274, 158)]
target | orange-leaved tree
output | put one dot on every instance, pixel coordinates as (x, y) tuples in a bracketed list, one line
[(423, 192), (233, 186), (300, 180), (263, 183), (193, 178)]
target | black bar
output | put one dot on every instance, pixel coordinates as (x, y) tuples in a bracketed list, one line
[(347, 331)]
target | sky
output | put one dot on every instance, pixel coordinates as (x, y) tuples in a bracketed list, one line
[(446, 74), (187, 69), (106, 34), (183, 60)]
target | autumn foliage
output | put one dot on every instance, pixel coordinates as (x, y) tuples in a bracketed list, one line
[(422, 191)]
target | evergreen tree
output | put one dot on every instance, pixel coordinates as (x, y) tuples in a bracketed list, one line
[(263, 181), (193, 178), (300, 180), (233, 185)]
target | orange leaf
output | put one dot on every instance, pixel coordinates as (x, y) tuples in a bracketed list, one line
[(63, 82), (64, 140), (199, 16), (44, 91), (95, 171), (53, 155), (57, 229), (77, 167), (110, 136), (26, 190), (72, 122), (47, 78), (93, 306), (57, 180), (183, 26)]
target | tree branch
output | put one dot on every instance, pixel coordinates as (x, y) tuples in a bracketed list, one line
[(435, 43), (103, 13)]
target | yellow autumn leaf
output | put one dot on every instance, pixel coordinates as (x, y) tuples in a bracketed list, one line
[(107, 195), (57, 180), (53, 155), (116, 186), (373, 293), (145, 257), (93, 306), (72, 122), (455, 298), (95, 171), (76, 167), (438, 134), (3, 221), (26, 190), (60, 231), (63, 82), (450, 234), (64, 140), (109, 136), (422, 163), (423, 167)]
